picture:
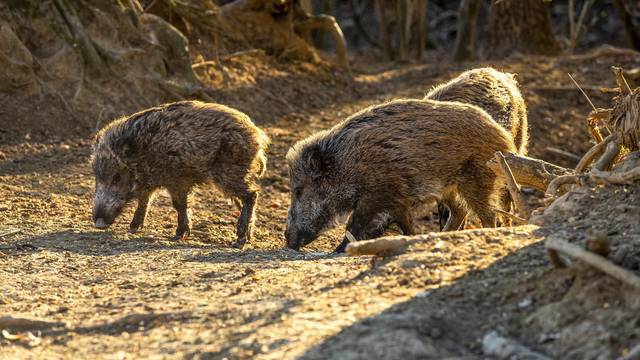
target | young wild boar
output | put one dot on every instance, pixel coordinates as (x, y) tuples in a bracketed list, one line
[(493, 91), (496, 93), (176, 146), (384, 160)]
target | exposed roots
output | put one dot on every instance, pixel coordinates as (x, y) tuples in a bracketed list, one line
[(594, 152), (555, 185), (615, 178), (557, 245)]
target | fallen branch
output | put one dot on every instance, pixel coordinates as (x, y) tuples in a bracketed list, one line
[(594, 260), (514, 189), (530, 172), (376, 246), (21, 324), (565, 154), (494, 344)]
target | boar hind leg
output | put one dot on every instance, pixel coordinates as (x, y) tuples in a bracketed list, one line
[(478, 190), (141, 212), (457, 215), (244, 228), (505, 203), (179, 200)]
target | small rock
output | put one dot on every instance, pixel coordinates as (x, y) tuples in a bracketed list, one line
[(525, 303)]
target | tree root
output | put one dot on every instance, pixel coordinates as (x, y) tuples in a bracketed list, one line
[(556, 183), (593, 260), (608, 177), (610, 153), (328, 24), (590, 155), (87, 50)]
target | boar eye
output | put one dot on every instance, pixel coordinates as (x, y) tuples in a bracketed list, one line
[(116, 178), (297, 192)]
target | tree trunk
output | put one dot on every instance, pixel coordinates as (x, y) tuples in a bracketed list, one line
[(421, 27), (625, 16), (465, 36), (383, 30), (402, 19), (520, 26)]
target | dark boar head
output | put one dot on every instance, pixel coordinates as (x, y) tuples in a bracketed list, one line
[(115, 186), (318, 194)]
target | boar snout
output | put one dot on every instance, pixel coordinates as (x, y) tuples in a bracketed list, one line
[(105, 209), (297, 239), (102, 219)]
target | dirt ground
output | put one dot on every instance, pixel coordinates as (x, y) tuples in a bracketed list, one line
[(121, 296)]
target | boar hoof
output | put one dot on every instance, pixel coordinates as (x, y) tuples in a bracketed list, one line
[(239, 244), (342, 247), (133, 228), (180, 236)]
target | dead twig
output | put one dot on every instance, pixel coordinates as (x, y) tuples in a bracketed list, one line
[(514, 189), (514, 217), (594, 260), (624, 87), (10, 232), (582, 91)]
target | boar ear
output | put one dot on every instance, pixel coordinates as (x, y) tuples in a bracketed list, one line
[(316, 162)]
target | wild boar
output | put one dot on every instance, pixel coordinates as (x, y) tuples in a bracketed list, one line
[(496, 93), (176, 146), (386, 159)]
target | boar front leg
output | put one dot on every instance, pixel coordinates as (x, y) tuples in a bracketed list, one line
[(365, 224), (179, 200), (244, 228), (141, 212)]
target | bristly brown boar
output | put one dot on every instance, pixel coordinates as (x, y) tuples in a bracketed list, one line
[(493, 91), (496, 93), (176, 146), (386, 159)]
